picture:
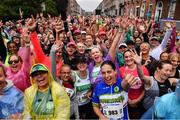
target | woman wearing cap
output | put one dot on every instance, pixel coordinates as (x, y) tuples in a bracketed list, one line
[(45, 99)]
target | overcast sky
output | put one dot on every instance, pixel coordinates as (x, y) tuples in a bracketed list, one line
[(89, 5)]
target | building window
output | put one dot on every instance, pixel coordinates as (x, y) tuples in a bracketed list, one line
[(142, 10), (137, 11), (172, 9), (158, 12)]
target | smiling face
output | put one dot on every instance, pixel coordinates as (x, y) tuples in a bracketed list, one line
[(65, 73), (154, 42), (15, 63), (144, 48), (164, 56), (71, 50), (81, 48), (12, 48), (89, 40), (175, 61), (82, 66), (136, 33), (59, 53), (128, 58), (51, 39), (96, 55), (165, 71), (108, 74), (41, 79), (16, 40), (138, 41)]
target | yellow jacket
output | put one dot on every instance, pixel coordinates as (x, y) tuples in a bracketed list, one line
[(59, 96)]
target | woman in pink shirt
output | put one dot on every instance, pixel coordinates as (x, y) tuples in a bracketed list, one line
[(18, 70), (136, 92)]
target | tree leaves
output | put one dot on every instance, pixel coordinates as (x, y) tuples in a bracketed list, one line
[(9, 9)]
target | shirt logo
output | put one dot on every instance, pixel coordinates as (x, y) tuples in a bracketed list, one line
[(116, 89)]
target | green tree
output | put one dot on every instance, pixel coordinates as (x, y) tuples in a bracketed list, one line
[(9, 9)]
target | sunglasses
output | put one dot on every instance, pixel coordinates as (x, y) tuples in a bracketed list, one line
[(13, 61)]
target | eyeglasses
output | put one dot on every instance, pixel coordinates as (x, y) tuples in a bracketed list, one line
[(65, 72), (13, 61)]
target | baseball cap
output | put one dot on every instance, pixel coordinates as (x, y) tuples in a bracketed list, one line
[(83, 32), (38, 67), (122, 45), (155, 38), (77, 32), (71, 44), (102, 33)]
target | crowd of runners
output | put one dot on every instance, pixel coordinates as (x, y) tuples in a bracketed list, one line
[(93, 67)]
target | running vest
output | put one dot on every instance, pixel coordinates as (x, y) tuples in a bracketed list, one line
[(112, 100), (82, 87)]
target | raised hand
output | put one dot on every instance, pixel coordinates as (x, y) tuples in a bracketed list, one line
[(129, 79), (32, 24), (21, 13), (25, 36), (59, 26), (137, 58)]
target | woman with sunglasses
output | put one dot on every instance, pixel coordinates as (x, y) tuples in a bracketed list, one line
[(45, 99), (19, 66), (18, 69)]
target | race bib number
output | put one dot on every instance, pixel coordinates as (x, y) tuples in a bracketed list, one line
[(113, 111)]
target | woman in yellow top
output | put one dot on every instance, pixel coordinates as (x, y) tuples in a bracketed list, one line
[(45, 99)]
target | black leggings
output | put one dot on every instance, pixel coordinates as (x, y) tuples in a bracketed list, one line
[(86, 112)]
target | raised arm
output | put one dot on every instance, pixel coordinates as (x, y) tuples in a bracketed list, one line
[(166, 38), (146, 79), (118, 39), (173, 38), (53, 60)]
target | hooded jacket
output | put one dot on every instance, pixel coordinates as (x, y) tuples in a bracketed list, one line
[(11, 100), (60, 99)]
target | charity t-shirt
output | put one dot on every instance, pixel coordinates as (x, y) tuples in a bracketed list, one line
[(136, 90), (82, 85)]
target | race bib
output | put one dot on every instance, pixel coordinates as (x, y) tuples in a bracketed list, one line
[(82, 98), (70, 92), (113, 111)]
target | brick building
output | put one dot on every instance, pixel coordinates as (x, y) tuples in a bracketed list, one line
[(160, 9), (74, 8)]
